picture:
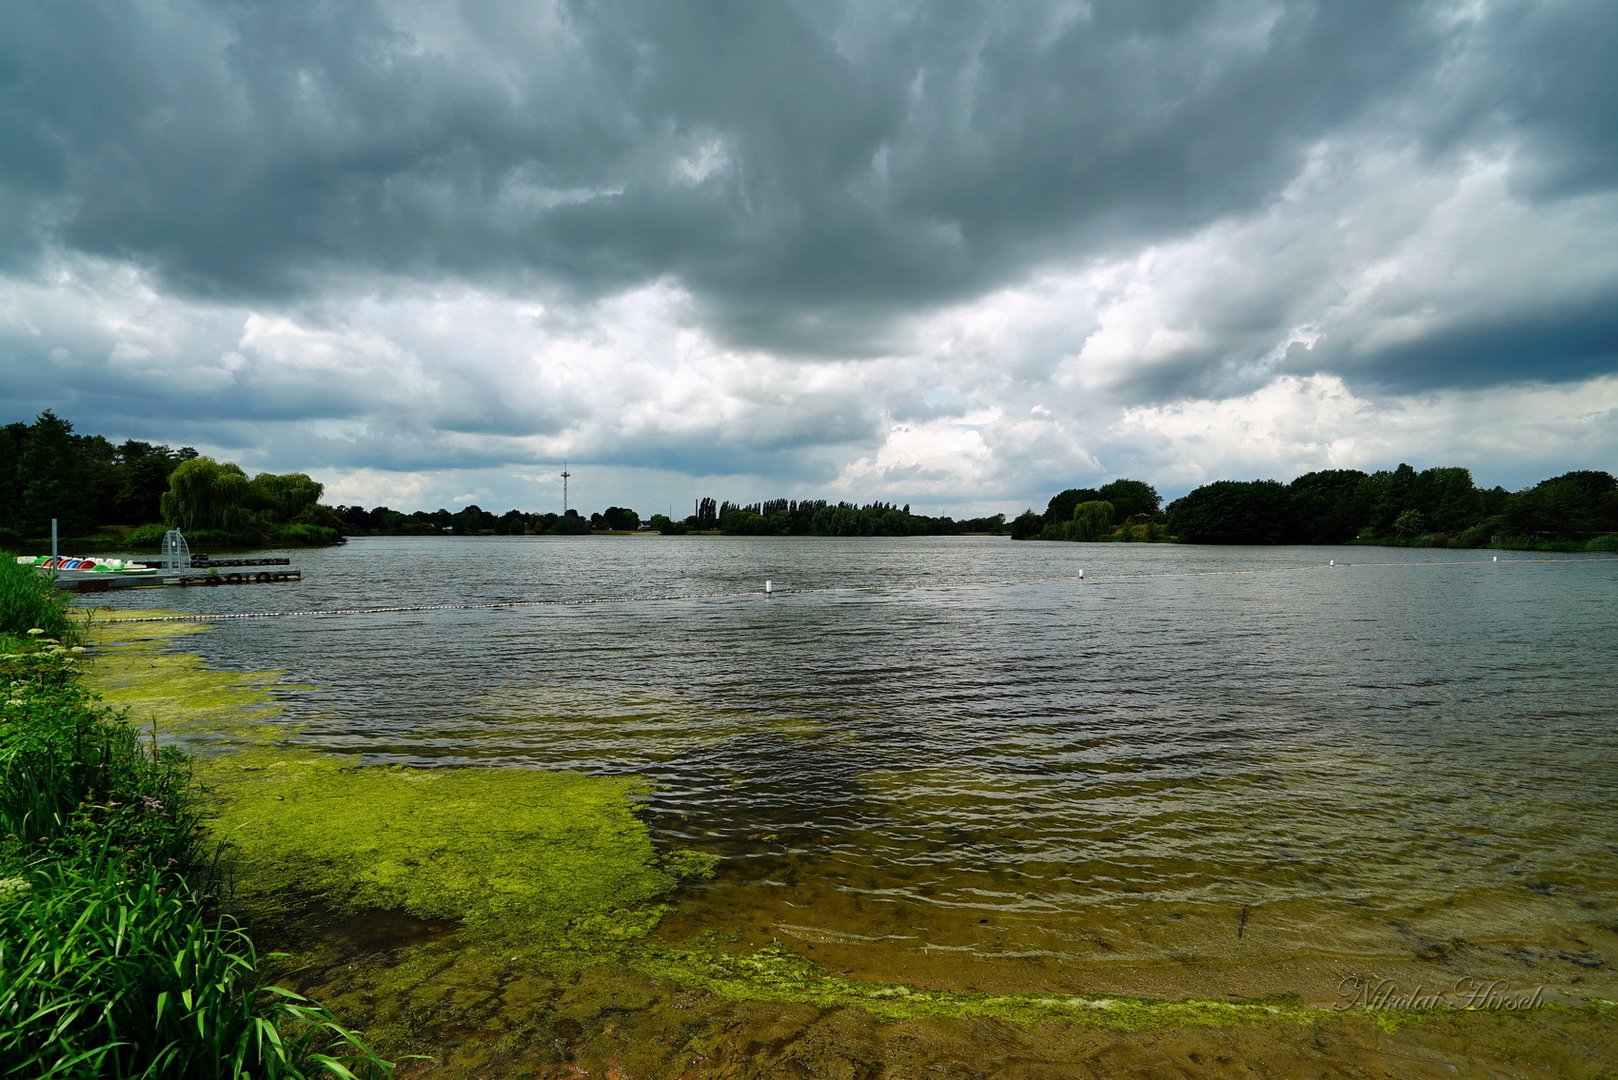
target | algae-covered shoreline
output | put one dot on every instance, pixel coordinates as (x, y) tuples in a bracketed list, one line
[(498, 922)]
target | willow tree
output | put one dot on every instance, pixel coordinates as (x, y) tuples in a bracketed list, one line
[(283, 496), (206, 494), (1091, 520)]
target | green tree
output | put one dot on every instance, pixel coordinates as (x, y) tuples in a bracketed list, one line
[(1409, 525), (52, 481), (12, 437), (473, 520), (620, 518), (1059, 511), (1574, 505), (740, 521), (282, 497), (1027, 525), (1391, 495), (143, 476), (1328, 507), (1232, 512), (1455, 502), (1131, 499), (1091, 520), (570, 524), (206, 494)]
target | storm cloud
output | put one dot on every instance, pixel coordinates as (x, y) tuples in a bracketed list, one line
[(959, 255)]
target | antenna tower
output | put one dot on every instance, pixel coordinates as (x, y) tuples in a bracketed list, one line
[(565, 475)]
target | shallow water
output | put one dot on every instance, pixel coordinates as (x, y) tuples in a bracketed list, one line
[(953, 761)]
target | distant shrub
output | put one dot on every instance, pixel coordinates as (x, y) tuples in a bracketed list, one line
[(146, 536), (304, 536), (1603, 543), (203, 540)]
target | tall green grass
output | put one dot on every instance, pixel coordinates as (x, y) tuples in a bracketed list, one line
[(115, 958), (109, 969), (29, 601)]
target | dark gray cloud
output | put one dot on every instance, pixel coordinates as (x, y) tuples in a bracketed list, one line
[(424, 236), (1558, 344), (860, 162)]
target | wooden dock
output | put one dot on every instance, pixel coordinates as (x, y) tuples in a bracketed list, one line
[(176, 566), (109, 582)]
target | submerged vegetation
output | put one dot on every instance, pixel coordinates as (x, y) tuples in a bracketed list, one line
[(498, 921), (519, 869), (519, 882)]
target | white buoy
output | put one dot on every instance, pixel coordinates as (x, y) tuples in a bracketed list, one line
[(1081, 575), (1332, 562), (1495, 559), (769, 587)]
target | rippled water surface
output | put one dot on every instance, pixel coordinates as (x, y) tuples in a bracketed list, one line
[(955, 761)]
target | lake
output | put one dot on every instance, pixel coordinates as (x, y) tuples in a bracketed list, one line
[(955, 762)]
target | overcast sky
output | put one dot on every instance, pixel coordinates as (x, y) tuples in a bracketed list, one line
[(956, 255)]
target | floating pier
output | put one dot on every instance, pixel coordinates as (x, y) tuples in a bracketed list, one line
[(176, 566), (262, 577), (108, 582)]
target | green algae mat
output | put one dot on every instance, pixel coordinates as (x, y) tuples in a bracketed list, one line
[(499, 922), (540, 862)]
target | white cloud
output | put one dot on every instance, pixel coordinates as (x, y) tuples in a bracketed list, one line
[(1296, 424), (938, 458), (377, 487)]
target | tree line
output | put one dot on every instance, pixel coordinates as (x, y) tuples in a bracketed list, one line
[(473, 520), (138, 490), (1122, 510), (1439, 507), (818, 517), (774, 517)]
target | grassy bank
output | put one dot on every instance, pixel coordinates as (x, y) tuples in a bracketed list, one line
[(115, 958), (1605, 543)]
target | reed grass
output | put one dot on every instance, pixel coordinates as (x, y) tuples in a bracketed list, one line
[(116, 959), (117, 970), (29, 601)]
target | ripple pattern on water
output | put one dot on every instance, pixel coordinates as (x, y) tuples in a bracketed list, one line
[(959, 743)]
